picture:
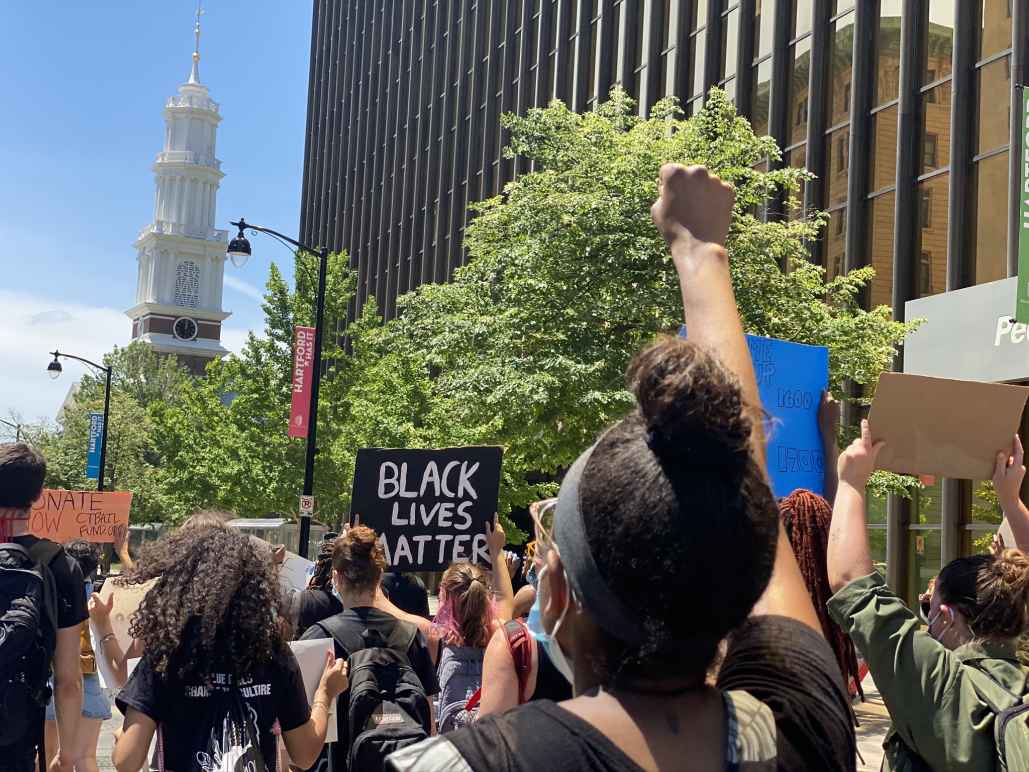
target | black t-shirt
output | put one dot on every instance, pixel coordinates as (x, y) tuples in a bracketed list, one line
[(777, 660), (407, 592), (314, 605), (191, 715), (71, 600), (792, 669), (355, 621), (366, 618)]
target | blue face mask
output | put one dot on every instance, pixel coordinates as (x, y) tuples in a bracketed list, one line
[(549, 640)]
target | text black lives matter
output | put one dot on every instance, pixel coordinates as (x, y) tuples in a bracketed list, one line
[(430, 507)]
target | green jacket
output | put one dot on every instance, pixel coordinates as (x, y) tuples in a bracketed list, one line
[(940, 722)]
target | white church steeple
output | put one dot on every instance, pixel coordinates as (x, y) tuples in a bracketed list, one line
[(181, 254)]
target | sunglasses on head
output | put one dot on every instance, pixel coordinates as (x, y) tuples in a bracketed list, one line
[(542, 514)]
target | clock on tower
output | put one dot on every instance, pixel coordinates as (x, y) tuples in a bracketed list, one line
[(181, 255)]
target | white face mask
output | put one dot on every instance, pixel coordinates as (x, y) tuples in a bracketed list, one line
[(549, 640)]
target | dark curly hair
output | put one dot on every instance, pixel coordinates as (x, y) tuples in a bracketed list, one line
[(678, 514), (214, 607)]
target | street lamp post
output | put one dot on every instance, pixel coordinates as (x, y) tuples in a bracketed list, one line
[(16, 427), (239, 252), (55, 369)]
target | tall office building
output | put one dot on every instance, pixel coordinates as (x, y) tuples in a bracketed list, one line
[(901, 108)]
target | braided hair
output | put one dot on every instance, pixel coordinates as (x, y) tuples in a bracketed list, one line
[(806, 517), (322, 577)]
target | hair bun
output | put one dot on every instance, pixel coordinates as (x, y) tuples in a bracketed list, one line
[(691, 406), (1012, 568)]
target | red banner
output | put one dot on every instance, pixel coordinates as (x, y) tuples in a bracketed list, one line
[(303, 371)]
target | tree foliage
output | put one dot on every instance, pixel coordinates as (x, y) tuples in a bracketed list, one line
[(526, 347)]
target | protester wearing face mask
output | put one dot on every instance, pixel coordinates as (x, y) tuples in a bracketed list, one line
[(943, 685), (664, 538)]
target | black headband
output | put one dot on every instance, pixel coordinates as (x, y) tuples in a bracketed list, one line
[(607, 609)]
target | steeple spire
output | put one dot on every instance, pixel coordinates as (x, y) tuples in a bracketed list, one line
[(194, 75)]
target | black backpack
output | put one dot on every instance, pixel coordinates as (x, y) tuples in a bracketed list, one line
[(386, 705), (28, 637)]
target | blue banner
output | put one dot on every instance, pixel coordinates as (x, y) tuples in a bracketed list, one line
[(96, 433), (791, 378)]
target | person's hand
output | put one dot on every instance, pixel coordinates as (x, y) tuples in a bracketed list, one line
[(62, 763), (997, 545), (1008, 473), (121, 539), (512, 562), (693, 207), (278, 554), (335, 679), (100, 612), (495, 536), (828, 418), (857, 462)]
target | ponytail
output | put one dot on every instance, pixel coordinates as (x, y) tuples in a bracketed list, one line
[(466, 605)]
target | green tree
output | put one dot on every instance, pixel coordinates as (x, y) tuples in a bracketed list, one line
[(226, 445), (567, 278)]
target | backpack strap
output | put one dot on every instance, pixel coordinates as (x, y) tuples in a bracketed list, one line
[(519, 643), (401, 637), (332, 627), (45, 552)]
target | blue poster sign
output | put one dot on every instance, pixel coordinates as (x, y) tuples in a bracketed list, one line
[(790, 379), (96, 432)]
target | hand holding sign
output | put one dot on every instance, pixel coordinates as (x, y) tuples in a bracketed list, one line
[(858, 461), (1008, 474), (496, 538)]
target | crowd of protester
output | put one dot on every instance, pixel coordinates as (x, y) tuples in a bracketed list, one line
[(673, 614)]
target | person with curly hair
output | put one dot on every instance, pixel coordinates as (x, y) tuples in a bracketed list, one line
[(216, 673)]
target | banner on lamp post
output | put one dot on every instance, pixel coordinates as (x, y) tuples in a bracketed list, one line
[(96, 433), (303, 371), (1022, 295)]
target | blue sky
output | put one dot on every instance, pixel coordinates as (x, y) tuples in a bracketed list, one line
[(85, 84)]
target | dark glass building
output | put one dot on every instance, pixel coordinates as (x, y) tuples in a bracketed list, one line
[(901, 108)]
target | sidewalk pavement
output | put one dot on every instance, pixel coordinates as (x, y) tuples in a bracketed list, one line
[(875, 722)]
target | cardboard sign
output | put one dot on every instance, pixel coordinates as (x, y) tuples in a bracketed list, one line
[(126, 600), (430, 507), (303, 371), (942, 427), (62, 515), (791, 378)]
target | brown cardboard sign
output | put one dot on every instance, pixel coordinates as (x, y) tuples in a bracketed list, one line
[(936, 426)]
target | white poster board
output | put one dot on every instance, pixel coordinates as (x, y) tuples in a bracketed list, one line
[(311, 658)]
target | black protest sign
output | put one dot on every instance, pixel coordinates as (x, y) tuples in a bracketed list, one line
[(430, 507)]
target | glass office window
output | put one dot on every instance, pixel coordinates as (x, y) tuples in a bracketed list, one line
[(886, 83), (936, 128), (933, 217), (924, 559), (697, 64), (991, 222), (841, 58), (801, 18), (764, 27), (837, 166), (797, 158), (839, 6), (994, 114), (800, 70), (883, 169), (730, 44), (699, 14), (880, 223), (939, 41), (760, 97), (995, 27), (834, 244)]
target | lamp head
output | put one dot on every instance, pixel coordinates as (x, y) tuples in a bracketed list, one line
[(239, 247), (54, 368)]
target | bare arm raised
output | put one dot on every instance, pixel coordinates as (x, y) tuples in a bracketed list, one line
[(693, 213)]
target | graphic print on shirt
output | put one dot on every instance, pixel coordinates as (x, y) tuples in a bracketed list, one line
[(230, 747)]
